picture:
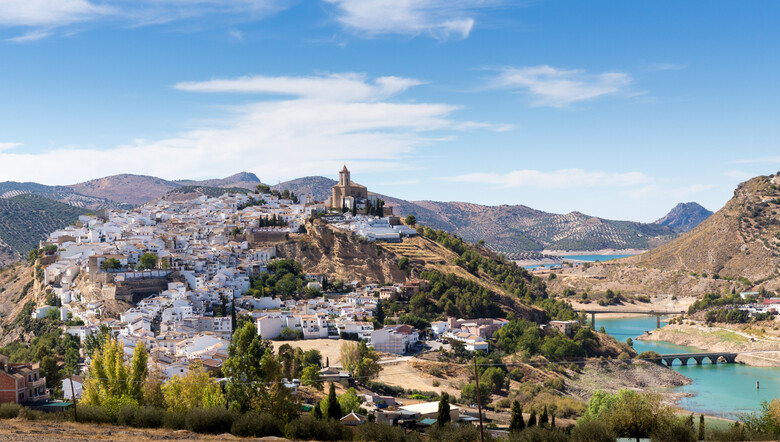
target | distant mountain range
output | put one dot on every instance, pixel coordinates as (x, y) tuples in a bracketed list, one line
[(684, 217), (513, 230)]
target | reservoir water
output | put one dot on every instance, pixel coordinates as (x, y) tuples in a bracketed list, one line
[(726, 390)]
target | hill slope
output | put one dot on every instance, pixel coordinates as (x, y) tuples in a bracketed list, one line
[(740, 240), (66, 195), (27, 219), (512, 229), (684, 217)]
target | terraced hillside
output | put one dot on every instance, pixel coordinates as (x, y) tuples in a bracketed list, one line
[(27, 219), (10, 189)]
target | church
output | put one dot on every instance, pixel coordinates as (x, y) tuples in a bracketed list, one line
[(348, 194)]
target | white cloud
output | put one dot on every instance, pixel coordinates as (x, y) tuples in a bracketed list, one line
[(441, 19), (560, 179), (336, 87), (9, 146), (43, 16), (555, 87), (655, 191), (313, 133), (45, 13)]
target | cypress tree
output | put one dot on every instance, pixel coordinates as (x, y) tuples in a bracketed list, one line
[(317, 410), (379, 314), (517, 423), (327, 361), (532, 419), (701, 427), (444, 410), (544, 418), (552, 421), (334, 409)]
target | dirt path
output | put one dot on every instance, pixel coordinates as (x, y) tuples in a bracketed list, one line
[(46, 431)]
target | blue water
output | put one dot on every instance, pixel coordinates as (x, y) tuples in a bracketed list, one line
[(726, 390)]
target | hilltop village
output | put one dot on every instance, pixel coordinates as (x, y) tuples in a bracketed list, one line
[(185, 269)]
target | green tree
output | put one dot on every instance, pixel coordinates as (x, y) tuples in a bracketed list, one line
[(349, 401), (51, 371), (333, 406), (403, 263), (532, 419), (192, 390), (516, 422), (109, 379), (379, 313), (263, 189), (111, 264), (544, 418), (311, 376), (443, 417), (410, 220), (243, 367), (360, 360), (148, 261), (138, 371), (629, 413)]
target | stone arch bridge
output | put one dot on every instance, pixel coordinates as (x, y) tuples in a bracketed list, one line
[(684, 358)]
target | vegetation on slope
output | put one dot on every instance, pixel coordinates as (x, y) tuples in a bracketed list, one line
[(741, 240), (27, 219)]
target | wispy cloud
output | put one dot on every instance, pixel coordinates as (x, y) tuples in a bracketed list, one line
[(559, 179), (555, 87), (440, 19), (666, 191), (312, 132), (45, 16), (337, 87)]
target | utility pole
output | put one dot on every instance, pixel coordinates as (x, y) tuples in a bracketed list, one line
[(73, 394), (479, 403)]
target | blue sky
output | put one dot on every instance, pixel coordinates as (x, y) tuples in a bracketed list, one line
[(615, 109)]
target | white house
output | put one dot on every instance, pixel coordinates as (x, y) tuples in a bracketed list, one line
[(77, 387)]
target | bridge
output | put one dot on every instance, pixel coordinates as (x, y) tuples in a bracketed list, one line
[(714, 357), (657, 314)]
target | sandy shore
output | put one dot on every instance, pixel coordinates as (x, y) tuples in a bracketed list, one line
[(754, 350)]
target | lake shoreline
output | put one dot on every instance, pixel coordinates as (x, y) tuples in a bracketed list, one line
[(719, 339)]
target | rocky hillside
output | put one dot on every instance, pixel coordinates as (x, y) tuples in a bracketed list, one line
[(741, 240), (684, 217)]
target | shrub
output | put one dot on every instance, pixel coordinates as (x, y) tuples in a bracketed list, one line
[(94, 415), (539, 434), (435, 383), (516, 375), (554, 383), (678, 431), (592, 431), (384, 433), (452, 433), (141, 417), (9, 411), (175, 421), (254, 424), (308, 428), (215, 420)]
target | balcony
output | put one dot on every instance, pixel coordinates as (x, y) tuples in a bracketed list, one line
[(40, 383)]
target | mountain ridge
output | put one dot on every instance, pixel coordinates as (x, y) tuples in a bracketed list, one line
[(685, 216)]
